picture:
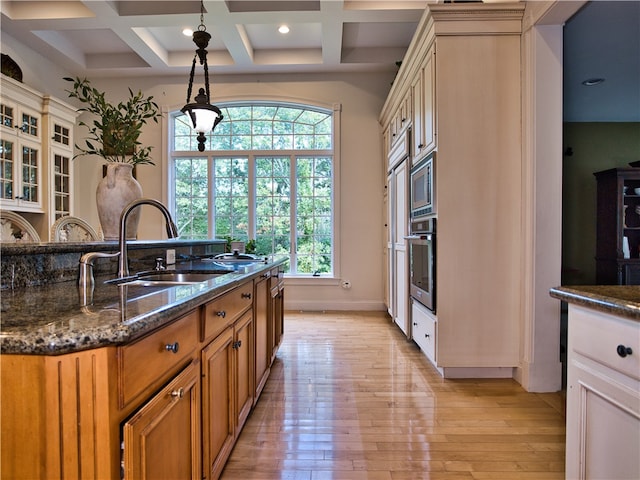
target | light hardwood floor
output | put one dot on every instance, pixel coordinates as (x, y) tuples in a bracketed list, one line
[(350, 398)]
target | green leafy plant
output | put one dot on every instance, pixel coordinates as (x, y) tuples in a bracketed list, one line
[(114, 135)]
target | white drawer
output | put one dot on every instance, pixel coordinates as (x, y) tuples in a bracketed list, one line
[(599, 336), (424, 330)]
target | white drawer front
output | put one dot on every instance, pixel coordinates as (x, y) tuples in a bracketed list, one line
[(424, 330), (600, 336)]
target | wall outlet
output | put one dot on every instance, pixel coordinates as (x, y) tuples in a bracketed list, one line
[(346, 284), (171, 257)]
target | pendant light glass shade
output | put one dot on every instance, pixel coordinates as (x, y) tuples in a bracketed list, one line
[(204, 116)]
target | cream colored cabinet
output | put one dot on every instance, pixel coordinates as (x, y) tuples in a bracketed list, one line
[(21, 172), (423, 329), (58, 121), (36, 136), (162, 440), (463, 69), (398, 254), (423, 96), (603, 396)]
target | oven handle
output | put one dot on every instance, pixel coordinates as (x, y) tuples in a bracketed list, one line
[(419, 237)]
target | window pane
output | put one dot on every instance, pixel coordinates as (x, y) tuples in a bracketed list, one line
[(275, 219)]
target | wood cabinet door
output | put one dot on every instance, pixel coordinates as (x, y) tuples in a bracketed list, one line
[(218, 422), (162, 440), (244, 364), (263, 353)]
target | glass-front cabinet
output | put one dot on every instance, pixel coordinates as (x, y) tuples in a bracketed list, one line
[(21, 151), (36, 152), (618, 227)]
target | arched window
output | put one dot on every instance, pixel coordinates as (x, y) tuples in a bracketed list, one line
[(266, 177)]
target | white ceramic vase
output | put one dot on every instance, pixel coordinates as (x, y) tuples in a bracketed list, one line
[(116, 190)]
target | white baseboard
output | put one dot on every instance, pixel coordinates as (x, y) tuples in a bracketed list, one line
[(320, 306)]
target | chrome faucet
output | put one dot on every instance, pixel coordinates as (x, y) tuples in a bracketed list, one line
[(172, 230)]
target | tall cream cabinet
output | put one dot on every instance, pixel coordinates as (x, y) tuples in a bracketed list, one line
[(36, 135), (463, 74)]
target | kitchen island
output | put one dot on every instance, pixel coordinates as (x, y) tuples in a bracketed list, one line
[(603, 381), (140, 381)]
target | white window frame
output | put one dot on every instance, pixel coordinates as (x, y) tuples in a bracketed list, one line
[(169, 114)]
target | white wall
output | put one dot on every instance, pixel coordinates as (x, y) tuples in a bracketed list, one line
[(361, 215)]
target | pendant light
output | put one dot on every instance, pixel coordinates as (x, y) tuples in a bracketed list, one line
[(204, 116)]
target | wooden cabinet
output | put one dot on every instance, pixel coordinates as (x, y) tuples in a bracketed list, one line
[(162, 439), (603, 396), (262, 328), (276, 282), (168, 405), (227, 375), (218, 422), (36, 134), (618, 227), (244, 365)]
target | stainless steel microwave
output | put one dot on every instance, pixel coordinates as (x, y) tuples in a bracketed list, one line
[(423, 199)]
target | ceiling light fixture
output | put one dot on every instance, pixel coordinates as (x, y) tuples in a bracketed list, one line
[(204, 116), (187, 32), (283, 29), (592, 82)]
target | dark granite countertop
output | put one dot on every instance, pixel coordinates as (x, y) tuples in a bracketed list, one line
[(51, 319), (621, 300)]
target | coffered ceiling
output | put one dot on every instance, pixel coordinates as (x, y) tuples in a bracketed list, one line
[(129, 37), (110, 38)]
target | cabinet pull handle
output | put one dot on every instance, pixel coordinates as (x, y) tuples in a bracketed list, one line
[(221, 313), (178, 394), (415, 324), (237, 345), (624, 351), (426, 335), (421, 145), (245, 295), (172, 347)]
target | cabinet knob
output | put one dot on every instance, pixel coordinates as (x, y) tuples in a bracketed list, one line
[(415, 324), (172, 347), (624, 351), (245, 295), (426, 335), (221, 313), (421, 145), (178, 394), (237, 344)]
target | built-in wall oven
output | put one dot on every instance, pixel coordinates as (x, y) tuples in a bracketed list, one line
[(422, 261)]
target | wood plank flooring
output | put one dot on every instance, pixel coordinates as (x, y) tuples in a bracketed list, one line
[(350, 398)]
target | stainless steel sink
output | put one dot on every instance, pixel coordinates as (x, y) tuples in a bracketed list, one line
[(152, 279)]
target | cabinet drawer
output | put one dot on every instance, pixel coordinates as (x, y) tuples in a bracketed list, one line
[(223, 311), (597, 335), (148, 363), (424, 330)]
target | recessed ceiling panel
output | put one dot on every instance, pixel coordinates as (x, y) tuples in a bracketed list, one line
[(172, 39), (146, 7), (301, 35), (96, 41), (21, 10), (377, 34), (236, 6)]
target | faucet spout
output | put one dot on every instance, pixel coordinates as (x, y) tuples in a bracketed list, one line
[(172, 230)]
